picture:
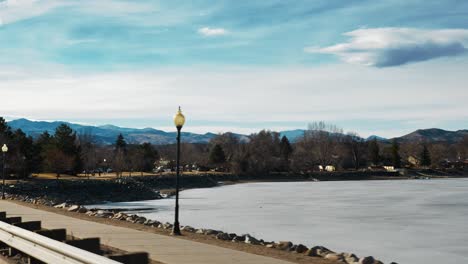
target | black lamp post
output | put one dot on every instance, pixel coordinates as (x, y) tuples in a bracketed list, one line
[(4, 151), (179, 121)]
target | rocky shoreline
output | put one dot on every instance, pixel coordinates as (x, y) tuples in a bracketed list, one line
[(287, 246)]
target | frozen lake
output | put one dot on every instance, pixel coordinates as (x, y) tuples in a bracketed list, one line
[(407, 221)]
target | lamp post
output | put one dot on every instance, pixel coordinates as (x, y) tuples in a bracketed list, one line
[(4, 151), (179, 121)]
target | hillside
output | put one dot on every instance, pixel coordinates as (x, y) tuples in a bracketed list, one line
[(107, 134), (434, 135)]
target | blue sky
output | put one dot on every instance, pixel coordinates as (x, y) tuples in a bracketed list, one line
[(374, 67)]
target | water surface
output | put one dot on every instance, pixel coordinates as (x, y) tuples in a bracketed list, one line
[(407, 221)]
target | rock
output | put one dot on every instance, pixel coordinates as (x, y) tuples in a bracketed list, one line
[(251, 240), (148, 222), (300, 248), (82, 210), (232, 235), (318, 251), (210, 232), (90, 213), (200, 231), (140, 220), (350, 258), (73, 208), (167, 226), (188, 229), (61, 206), (270, 245), (120, 216), (369, 260), (155, 223), (284, 245), (104, 214), (239, 238), (334, 257), (222, 236)]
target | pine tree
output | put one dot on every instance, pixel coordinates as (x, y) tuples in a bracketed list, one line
[(120, 143), (217, 155), (285, 148), (425, 157), (66, 143), (396, 158), (374, 152)]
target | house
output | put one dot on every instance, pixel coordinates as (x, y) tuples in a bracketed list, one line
[(413, 161), (330, 168)]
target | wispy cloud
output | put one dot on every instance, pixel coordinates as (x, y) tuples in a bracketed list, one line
[(211, 32), (384, 47)]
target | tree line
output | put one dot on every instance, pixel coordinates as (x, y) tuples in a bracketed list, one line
[(323, 144), (67, 152)]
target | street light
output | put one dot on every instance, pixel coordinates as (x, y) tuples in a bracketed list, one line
[(4, 150), (179, 120)]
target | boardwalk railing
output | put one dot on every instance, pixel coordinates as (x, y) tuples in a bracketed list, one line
[(45, 249)]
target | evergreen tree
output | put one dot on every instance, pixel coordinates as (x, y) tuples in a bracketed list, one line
[(285, 148), (150, 155), (120, 143), (425, 157), (374, 152), (396, 158), (66, 142), (217, 155)]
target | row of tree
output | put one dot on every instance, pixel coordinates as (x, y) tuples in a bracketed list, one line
[(266, 151), (68, 152)]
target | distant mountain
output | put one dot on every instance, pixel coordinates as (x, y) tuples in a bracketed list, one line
[(434, 135), (293, 135), (107, 134), (369, 138)]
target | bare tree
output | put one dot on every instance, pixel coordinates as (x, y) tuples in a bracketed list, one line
[(356, 148), (324, 139)]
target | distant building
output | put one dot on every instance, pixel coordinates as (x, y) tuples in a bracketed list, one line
[(330, 168), (413, 161)]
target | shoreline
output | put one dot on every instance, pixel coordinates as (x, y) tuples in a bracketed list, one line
[(152, 187), (212, 236)]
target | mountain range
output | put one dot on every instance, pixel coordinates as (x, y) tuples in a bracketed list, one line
[(107, 134)]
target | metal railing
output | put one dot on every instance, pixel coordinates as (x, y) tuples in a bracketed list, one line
[(47, 250)]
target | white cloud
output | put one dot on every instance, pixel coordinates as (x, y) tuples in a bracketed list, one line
[(246, 99), (384, 47), (210, 32), (15, 10)]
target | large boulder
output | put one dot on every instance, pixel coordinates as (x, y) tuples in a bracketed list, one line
[(61, 206), (211, 232), (251, 240), (318, 251), (140, 220), (188, 229), (335, 257), (284, 245), (350, 258), (73, 208), (223, 236), (369, 260), (239, 238), (300, 248), (120, 216), (104, 214), (82, 210)]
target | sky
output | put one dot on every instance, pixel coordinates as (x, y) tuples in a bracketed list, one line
[(373, 67)]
